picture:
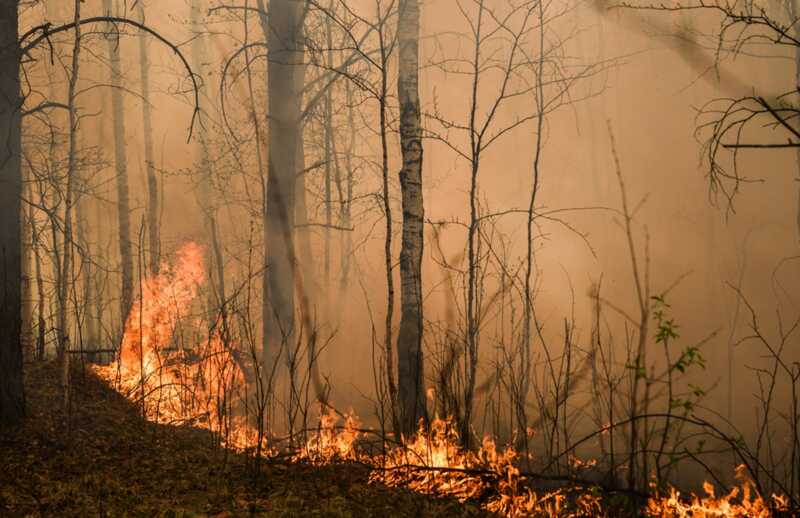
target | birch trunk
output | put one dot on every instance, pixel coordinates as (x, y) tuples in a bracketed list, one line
[(409, 341)]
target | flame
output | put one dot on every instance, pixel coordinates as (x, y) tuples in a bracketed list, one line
[(741, 501), (165, 300), (433, 462), (199, 385), (178, 385), (329, 444)]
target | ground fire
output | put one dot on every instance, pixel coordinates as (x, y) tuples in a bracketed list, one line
[(201, 386)]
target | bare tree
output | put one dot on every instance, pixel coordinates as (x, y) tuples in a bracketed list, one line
[(488, 26), (121, 165), (204, 166), (153, 230), (65, 275), (12, 397)]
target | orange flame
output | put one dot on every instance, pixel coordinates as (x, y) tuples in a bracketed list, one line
[(740, 502), (432, 462), (327, 444), (182, 384), (164, 301)]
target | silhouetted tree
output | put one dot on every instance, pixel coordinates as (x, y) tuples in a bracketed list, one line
[(12, 397)]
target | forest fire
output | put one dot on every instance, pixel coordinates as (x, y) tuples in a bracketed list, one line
[(173, 383), (434, 462), (200, 386), (258, 208)]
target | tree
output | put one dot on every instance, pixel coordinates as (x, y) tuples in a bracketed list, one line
[(12, 396), (488, 24), (203, 165), (285, 52), (152, 181), (65, 275), (409, 340), (121, 164), (762, 30)]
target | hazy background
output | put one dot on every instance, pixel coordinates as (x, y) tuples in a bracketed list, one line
[(649, 94)]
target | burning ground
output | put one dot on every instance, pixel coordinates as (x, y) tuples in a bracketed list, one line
[(165, 431), (105, 460)]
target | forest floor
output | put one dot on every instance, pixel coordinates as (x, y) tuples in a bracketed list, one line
[(105, 460)]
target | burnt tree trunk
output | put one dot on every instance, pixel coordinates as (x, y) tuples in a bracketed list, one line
[(12, 396)]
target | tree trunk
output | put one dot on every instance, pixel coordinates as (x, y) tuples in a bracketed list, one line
[(215, 266), (88, 333), (285, 37), (153, 231), (66, 278), (121, 163), (473, 242), (346, 212), (12, 396), (40, 289), (328, 145), (391, 382), (302, 232), (795, 12), (28, 327), (409, 340)]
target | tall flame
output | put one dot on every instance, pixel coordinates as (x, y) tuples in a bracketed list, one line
[(165, 300), (179, 384)]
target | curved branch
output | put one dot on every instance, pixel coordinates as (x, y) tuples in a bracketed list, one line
[(43, 32)]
